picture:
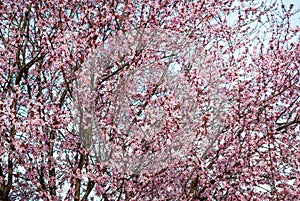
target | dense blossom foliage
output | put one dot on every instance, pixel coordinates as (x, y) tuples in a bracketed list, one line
[(149, 100)]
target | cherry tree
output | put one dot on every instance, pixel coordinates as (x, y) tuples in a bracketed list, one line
[(149, 100)]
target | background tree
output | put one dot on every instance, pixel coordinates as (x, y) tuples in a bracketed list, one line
[(75, 74)]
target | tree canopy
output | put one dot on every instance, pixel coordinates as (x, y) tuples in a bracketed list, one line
[(149, 100)]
